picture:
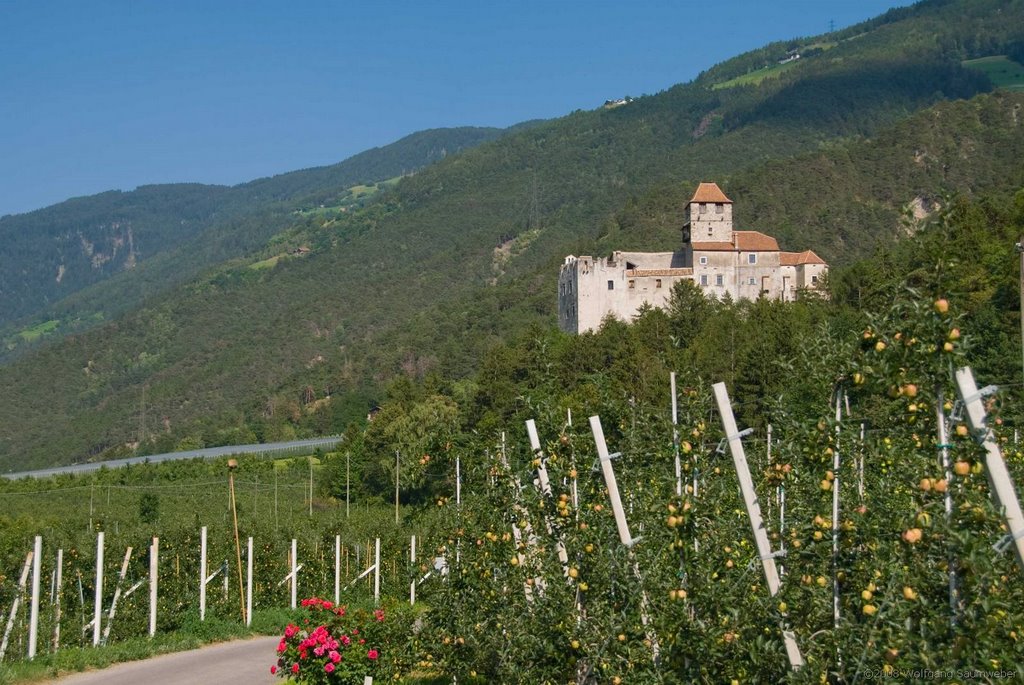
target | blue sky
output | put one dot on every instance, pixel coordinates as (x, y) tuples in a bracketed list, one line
[(113, 94)]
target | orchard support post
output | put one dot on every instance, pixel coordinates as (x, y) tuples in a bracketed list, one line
[(57, 585), (623, 528), (33, 621), (796, 660), (1003, 491), (947, 468), (675, 435), (154, 567), (337, 569), (295, 572), (836, 479), (376, 573), (545, 488), (22, 582), (117, 594), (412, 560), (248, 582), (97, 615), (202, 574), (609, 478)]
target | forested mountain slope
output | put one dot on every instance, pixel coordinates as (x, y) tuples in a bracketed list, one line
[(158, 235), (828, 154)]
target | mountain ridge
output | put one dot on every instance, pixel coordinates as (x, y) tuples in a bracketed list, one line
[(55, 252), (273, 344)]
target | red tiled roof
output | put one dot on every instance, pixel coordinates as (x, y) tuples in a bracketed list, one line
[(755, 241), (709, 192), (743, 241), (797, 258), (713, 247)]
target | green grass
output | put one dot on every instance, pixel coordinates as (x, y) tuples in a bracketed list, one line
[(266, 263), (1001, 70), (39, 330), (755, 77)]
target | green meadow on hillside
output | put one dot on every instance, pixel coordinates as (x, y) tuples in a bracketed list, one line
[(1003, 71)]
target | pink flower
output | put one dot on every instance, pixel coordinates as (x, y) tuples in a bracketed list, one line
[(346, 640), (379, 615), (334, 656), (273, 670), (372, 655), (290, 630), (328, 667), (282, 646), (295, 668), (362, 641)]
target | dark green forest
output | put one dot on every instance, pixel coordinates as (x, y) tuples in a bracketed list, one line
[(851, 152), (154, 237)]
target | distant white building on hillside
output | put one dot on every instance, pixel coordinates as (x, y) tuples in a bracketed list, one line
[(722, 261)]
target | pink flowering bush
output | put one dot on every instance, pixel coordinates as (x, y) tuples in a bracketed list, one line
[(332, 646)]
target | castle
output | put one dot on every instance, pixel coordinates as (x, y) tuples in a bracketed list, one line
[(722, 261)]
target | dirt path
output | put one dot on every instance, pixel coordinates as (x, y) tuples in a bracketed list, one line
[(243, 662)]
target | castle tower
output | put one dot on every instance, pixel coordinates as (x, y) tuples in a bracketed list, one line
[(708, 217)]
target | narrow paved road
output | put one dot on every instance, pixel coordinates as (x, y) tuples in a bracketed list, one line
[(244, 662), (204, 453)]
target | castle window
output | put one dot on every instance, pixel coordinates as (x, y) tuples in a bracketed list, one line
[(703, 208), (719, 279), (752, 258), (703, 260), (703, 279), (611, 285), (814, 280), (753, 281), (657, 283), (632, 284), (719, 208)]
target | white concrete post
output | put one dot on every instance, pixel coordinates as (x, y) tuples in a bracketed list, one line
[(412, 560), (754, 512), (836, 479), (545, 488), (458, 481), (542, 470), (675, 435), (117, 595), (376, 573), (33, 621), (154, 568), (97, 614), (57, 583), (623, 527), (1003, 491), (609, 479), (943, 437), (16, 603), (202, 574), (337, 569), (248, 582), (295, 572)]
